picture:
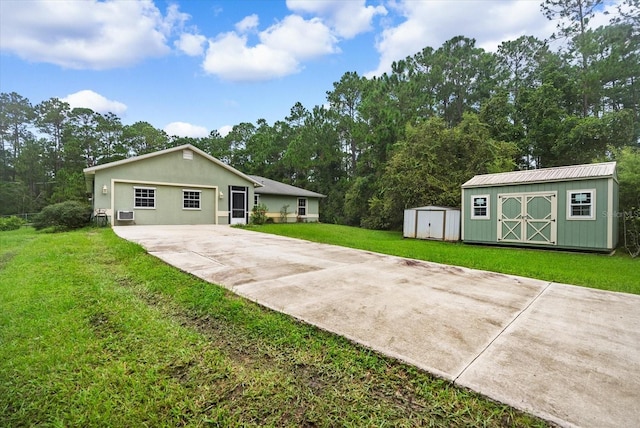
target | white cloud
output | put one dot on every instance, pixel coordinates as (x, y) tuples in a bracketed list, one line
[(183, 129), (249, 23), (346, 18), (94, 101), (88, 34), (300, 38), (191, 44), (231, 58), (279, 53), (434, 22), (224, 130)]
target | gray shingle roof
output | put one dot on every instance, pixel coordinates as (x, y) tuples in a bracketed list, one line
[(562, 173), (272, 187)]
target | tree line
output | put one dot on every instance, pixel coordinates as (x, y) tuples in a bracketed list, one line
[(407, 138)]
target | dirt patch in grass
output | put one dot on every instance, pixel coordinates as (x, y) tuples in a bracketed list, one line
[(309, 367), (6, 258)]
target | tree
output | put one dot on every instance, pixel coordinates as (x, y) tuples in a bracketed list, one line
[(573, 18), (468, 76), (16, 115), (111, 146), (141, 138), (345, 100), (52, 117), (629, 205), (432, 162)]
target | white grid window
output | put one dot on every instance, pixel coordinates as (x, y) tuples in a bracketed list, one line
[(480, 206), (191, 199), (581, 204), (144, 197), (256, 200)]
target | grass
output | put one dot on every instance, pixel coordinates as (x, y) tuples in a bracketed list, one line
[(615, 273), (95, 332)]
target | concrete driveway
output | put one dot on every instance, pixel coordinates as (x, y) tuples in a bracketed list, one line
[(568, 354)]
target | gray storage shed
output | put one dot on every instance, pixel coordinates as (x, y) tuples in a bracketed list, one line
[(569, 207), (432, 222)]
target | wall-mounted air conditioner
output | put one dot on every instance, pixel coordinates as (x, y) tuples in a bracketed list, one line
[(125, 215)]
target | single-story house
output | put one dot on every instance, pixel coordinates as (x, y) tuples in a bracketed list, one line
[(569, 207), (179, 185), (432, 222), (286, 203)]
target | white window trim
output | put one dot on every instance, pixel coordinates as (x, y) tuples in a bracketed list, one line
[(155, 194), (593, 205), (306, 207), (199, 200), (480, 217)]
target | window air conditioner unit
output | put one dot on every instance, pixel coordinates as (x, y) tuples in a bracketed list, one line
[(125, 215)]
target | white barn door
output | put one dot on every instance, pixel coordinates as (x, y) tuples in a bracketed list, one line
[(528, 218)]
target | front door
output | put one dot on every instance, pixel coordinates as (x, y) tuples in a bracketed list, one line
[(528, 218), (238, 202)]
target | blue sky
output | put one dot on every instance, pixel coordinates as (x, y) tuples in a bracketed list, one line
[(192, 66)]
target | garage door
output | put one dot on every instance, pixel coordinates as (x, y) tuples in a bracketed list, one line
[(528, 218)]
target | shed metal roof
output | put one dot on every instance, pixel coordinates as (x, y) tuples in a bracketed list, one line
[(562, 173), (272, 187)]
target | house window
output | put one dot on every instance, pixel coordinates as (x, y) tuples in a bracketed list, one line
[(256, 200), (581, 204), (144, 197), (191, 199), (480, 206), (302, 206)]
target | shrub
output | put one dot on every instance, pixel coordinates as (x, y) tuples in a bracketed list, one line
[(11, 223), (63, 216), (259, 214)]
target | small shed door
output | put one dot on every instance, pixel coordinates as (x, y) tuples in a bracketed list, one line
[(430, 224), (528, 218)]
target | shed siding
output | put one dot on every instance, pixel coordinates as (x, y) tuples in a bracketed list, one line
[(432, 222), (583, 234)]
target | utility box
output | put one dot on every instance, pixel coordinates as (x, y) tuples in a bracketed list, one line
[(432, 222)]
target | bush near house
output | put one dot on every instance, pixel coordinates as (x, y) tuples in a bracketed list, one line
[(67, 215), (11, 223), (259, 214)]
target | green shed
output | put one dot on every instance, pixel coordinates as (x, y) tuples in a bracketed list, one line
[(570, 207)]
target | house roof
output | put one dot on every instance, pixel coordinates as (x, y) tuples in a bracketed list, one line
[(562, 173), (92, 170), (272, 187)]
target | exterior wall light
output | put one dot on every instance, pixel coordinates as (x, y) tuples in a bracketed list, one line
[(104, 189), (221, 195)]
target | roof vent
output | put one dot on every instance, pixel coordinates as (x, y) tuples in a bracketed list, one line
[(187, 154)]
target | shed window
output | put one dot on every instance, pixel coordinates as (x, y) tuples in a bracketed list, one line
[(480, 206), (581, 204), (191, 199), (144, 197), (302, 206)]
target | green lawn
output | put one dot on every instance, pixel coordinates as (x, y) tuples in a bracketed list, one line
[(616, 273), (94, 332)]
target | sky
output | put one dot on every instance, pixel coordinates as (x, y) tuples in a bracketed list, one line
[(193, 66)]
